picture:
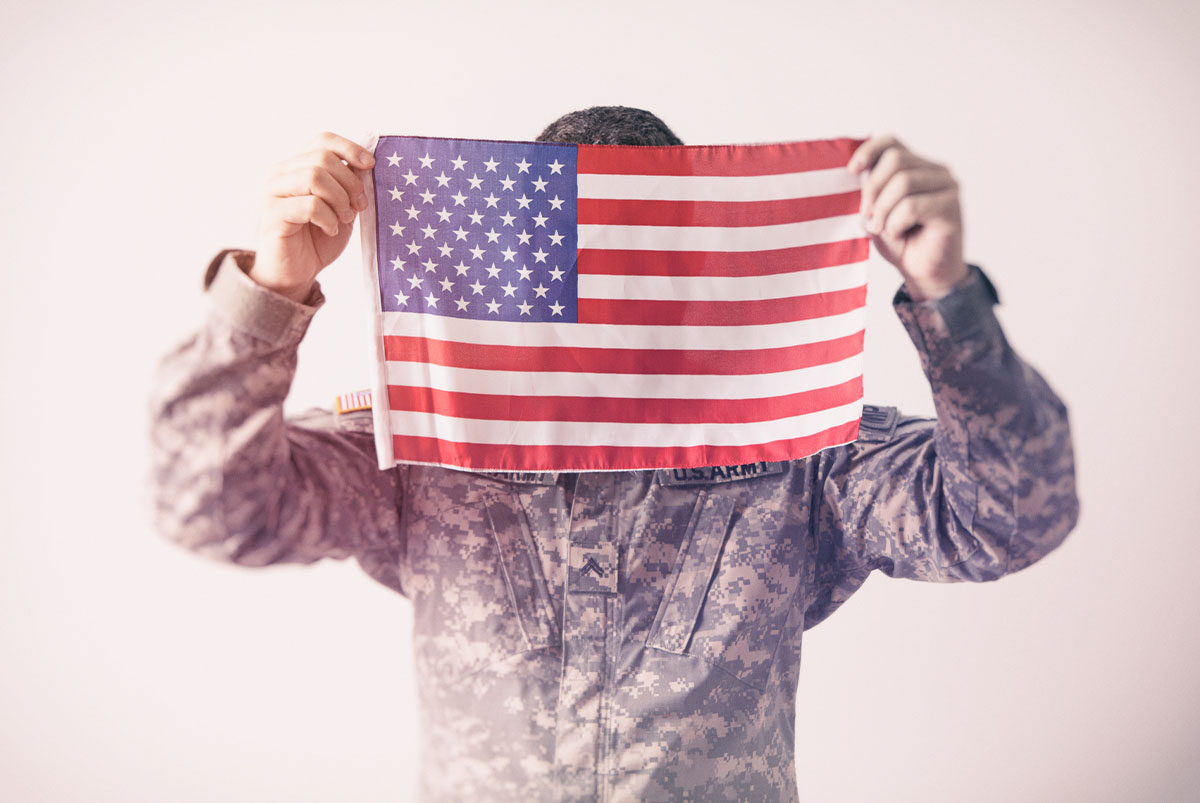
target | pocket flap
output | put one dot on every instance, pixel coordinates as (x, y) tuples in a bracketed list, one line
[(672, 627), (522, 571)]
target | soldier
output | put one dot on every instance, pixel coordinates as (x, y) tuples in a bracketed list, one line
[(624, 636)]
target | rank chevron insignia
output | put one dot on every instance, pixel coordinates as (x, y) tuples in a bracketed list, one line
[(591, 566)]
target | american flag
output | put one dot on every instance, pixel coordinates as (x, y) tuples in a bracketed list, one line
[(548, 307), (352, 402)]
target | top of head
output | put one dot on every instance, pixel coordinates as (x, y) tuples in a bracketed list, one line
[(609, 125)]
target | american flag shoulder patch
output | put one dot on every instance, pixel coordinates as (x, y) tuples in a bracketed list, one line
[(352, 402)]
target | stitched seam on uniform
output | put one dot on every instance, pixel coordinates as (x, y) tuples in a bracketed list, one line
[(545, 608), (404, 489), (401, 542), (818, 503), (669, 592), (792, 604), (604, 713), (608, 604), (508, 581), (712, 577)]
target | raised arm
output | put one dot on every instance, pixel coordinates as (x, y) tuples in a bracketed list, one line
[(985, 489), (231, 478), (989, 486)]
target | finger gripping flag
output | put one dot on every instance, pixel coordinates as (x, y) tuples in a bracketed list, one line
[(548, 307)]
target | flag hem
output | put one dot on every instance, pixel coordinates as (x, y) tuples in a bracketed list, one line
[(368, 228), (629, 468), (475, 470)]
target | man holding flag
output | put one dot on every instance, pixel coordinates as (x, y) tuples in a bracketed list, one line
[(623, 634)]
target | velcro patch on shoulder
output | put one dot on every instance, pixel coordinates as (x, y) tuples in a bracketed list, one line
[(356, 421), (523, 477), (878, 424), (714, 474), (352, 402)]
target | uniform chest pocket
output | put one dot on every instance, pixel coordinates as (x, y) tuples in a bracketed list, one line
[(727, 598), (528, 593), (478, 590)]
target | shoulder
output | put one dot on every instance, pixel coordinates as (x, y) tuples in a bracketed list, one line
[(349, 412), (881, 424), (885, 437), (878, 424)]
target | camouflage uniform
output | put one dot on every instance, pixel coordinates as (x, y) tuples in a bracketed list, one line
[(624, 636)]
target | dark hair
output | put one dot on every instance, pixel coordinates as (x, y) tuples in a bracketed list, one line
[(609, 125)]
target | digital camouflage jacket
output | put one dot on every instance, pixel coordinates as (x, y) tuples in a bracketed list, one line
[(624, 636)]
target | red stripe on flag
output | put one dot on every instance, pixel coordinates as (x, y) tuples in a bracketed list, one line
[(489, 407), (484, 357), (716, 160), (722, 263), (720, 313), (529, 457), (616, 212)]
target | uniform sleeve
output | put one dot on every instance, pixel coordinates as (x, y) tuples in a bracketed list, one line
[(231, 478), (985, 490)]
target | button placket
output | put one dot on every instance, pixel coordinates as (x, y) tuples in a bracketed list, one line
[(592, 583)]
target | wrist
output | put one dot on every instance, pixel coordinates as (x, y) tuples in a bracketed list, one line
[(296, 292), (937, 287), (299, 293), (241, 302)]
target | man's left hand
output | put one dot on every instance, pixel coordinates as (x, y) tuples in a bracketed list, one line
[(911, 210)]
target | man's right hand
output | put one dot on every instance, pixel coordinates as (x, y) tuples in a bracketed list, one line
[(308, 216)]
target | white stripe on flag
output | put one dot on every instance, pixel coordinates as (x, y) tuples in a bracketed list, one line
[(622, 386), (720, 238), (723, 288), (591, 335), (718, 188), (574, 433)]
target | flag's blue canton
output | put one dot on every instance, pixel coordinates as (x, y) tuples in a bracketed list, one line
[(472, 229)]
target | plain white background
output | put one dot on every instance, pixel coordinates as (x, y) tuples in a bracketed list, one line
[(136, 139)]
